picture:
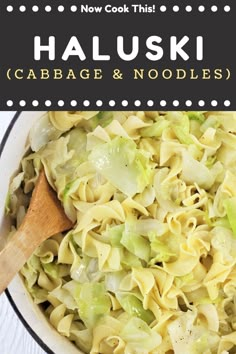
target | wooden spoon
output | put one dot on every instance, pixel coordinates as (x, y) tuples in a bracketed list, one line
[(45, 217)]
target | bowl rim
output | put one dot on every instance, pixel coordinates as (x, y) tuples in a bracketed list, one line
[(7, 292)]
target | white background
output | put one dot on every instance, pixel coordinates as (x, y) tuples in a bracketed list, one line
[(14, 338)]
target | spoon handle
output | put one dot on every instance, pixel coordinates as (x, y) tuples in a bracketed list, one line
[(45, 217), (13, 257)]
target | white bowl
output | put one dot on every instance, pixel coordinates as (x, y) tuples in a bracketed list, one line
[(12, 149)]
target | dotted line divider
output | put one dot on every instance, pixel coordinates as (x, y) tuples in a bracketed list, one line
[(112, 103), (161, 8)]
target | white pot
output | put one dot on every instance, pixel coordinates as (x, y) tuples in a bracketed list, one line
[(13, 147)]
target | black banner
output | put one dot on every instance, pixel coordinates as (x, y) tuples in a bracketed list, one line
[(173, 55)]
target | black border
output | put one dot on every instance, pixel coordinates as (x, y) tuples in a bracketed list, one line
[(9, 297), (8, 131)]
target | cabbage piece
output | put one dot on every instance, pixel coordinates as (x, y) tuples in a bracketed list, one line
[(134, 307), (129, 260), (187, 337), (86, 271), (181, 333), (210, 161), (115, 234), (230, 206), (139, 337), (122, 164), (164, 250), (15, 197), (146, 226), (198, 116), (194, 171), (155, 130), (161, 251), (181, 129), (93, 302), (211, 122), (136, 244), (105, 118), (47, 133), (65, 297), (77, 142), (180, 125), (56, 270), (182, 135), (224, 222), (76, 146), (55, 156), (113, 279)]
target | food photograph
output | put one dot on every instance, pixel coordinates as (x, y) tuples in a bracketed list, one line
[(118, 231)]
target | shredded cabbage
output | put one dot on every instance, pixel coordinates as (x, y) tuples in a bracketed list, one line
[(139, 336), (122, 164), (93, 302)]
